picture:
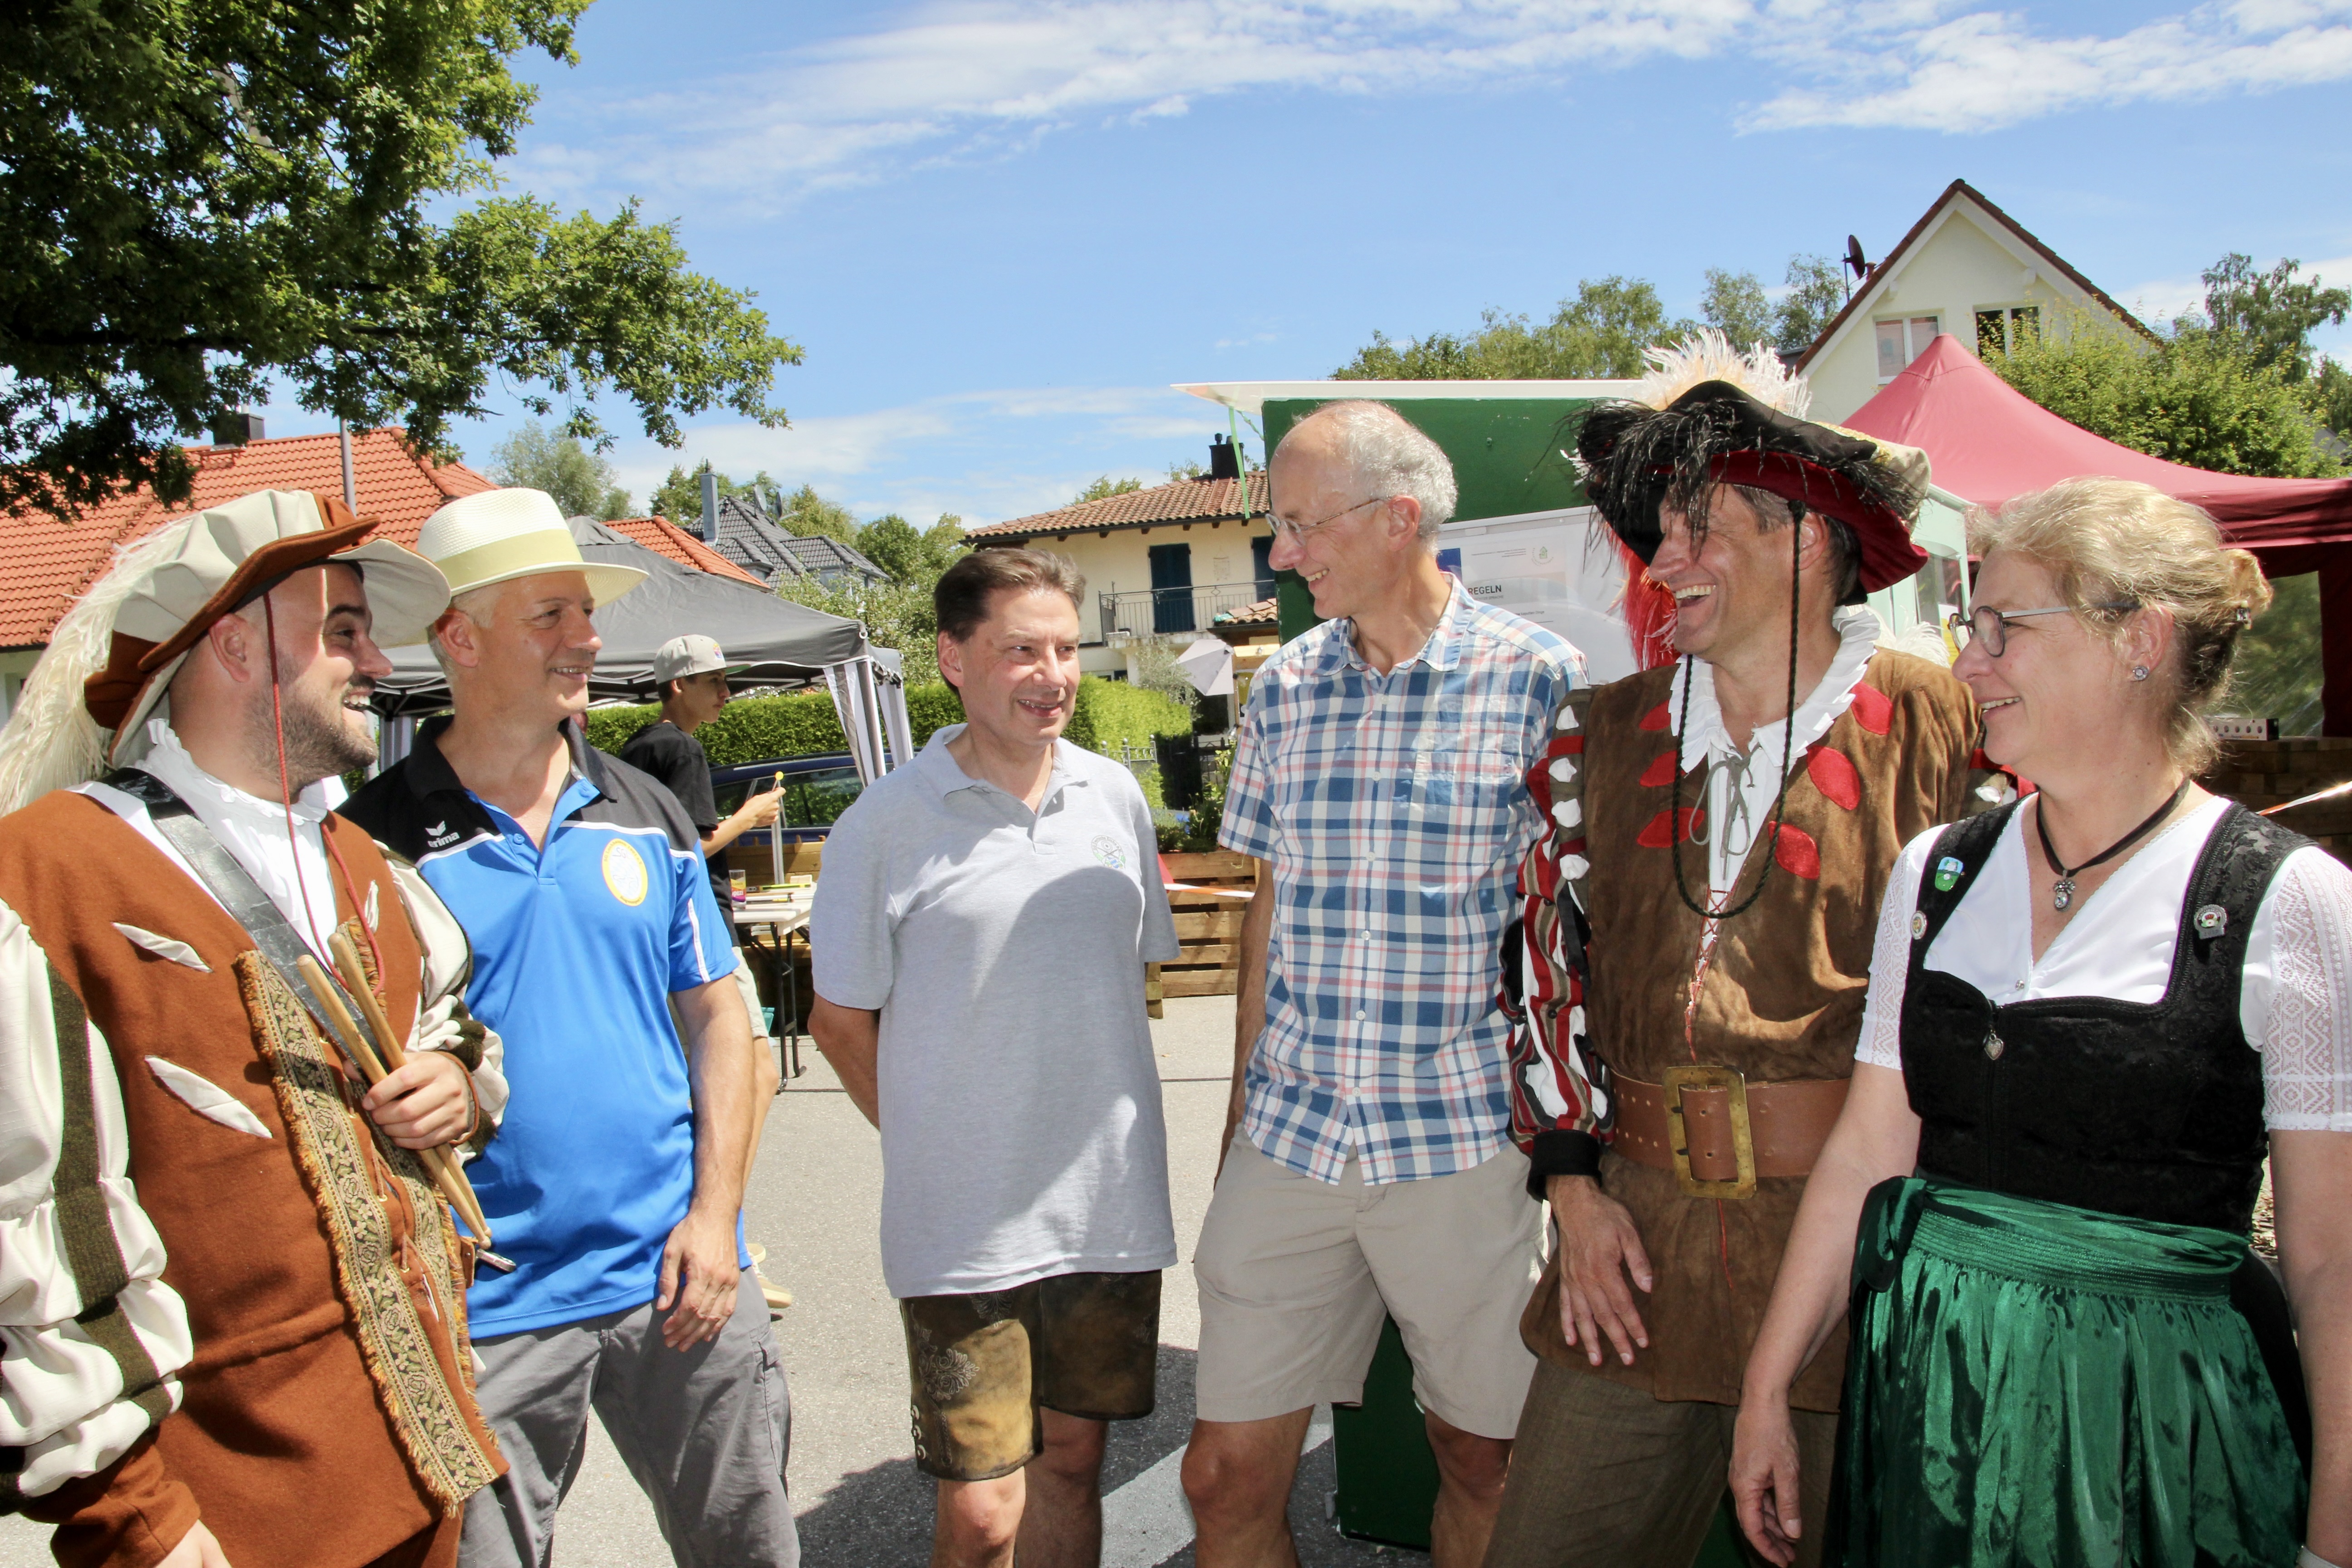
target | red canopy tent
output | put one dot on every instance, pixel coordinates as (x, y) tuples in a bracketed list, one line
[(1990, 442)]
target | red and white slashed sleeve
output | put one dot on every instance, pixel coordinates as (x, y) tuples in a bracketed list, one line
[(1560, 1096)]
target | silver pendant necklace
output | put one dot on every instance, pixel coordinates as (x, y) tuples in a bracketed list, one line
[(2062, 891)]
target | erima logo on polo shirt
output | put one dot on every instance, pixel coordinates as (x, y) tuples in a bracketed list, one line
[(439, 837)]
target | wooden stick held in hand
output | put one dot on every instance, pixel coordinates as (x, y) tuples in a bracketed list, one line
[(446, 1174)]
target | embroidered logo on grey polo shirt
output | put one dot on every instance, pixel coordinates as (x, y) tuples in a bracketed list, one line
[(1109, 852)]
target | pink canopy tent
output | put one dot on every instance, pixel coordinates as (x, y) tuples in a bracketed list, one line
[(1990, 442)]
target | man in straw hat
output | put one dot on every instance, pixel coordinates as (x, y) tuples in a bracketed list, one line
[(258, 1354), (617, 1179), (1698, 940)]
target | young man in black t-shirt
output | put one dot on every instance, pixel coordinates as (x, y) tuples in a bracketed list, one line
[(693, 675)]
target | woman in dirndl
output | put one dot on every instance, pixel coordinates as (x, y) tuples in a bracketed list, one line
[(2092, 1011)]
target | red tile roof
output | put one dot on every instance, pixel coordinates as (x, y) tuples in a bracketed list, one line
[(1265, 612), (658, 533), (44, 563), (1184, 501)]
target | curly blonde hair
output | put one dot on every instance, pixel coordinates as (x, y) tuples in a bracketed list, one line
[(2119, 542)]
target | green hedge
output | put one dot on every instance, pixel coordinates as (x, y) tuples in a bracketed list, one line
[(805, 725), (1111, 710)]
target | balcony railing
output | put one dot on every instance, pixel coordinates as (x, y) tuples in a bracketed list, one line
[(1162, 611)]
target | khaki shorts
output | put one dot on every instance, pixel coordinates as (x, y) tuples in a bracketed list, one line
[(1296, 1273), (1084, 1344)]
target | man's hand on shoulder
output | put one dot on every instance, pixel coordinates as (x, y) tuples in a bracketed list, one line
[(425, 1103), (699, 1272), (197, 1548), (1598, 1245)]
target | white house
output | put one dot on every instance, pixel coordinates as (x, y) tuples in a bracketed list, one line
[(1965, 267), (1174, 561)]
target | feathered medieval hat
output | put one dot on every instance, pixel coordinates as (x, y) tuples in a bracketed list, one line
[(1638, 456), (112, 657)]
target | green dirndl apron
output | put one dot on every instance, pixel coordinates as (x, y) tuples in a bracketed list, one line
[(2036, 1384)]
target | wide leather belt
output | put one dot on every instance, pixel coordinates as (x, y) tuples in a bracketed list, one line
[(1718, 1133)]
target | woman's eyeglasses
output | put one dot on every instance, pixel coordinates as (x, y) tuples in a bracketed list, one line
[(1984, 624)]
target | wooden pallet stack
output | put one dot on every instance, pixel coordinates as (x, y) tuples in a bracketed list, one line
[(1208, 926), (2262, 773)]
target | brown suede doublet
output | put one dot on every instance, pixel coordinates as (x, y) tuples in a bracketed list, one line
[(1782, 993), (283, 1438)]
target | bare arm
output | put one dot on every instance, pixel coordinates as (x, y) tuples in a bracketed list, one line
[(2311, 1178), (1876, 1136), (1249, 1003), (758, 810), (851, 1039), (718, 1054)]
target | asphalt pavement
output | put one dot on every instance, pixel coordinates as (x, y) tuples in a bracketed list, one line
[(815, 1200)]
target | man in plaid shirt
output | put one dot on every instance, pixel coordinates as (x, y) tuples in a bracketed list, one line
[(1380, 770)]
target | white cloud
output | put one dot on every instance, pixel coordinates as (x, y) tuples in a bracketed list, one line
[(1009, 451), (959, 79), (1991, 68)]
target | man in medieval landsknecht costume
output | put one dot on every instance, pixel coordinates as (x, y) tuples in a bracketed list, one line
[(232, 1299), (1697, 939)]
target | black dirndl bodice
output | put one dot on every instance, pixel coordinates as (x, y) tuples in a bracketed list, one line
[(2152, 1109)]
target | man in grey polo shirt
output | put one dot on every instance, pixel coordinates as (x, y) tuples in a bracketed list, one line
[(980, 928)]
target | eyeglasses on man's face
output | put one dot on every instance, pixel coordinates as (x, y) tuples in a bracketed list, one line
[(1991, 627), (1295, 530)]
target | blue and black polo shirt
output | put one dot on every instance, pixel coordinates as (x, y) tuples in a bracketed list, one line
[(577, 946)]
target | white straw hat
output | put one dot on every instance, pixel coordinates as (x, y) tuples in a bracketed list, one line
[(496, 536)]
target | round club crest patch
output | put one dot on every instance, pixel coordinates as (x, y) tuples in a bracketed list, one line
[(625, 872), (1108, 851)]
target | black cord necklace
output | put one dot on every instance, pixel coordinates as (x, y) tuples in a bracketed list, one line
[(1787, 756), (2061, 892)]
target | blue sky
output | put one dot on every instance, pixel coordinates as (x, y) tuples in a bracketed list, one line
[(1000, 228)]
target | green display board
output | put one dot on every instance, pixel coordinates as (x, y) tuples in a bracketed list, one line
[(1505, 453)]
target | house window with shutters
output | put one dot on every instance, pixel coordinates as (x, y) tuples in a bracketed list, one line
[(1901, 340)]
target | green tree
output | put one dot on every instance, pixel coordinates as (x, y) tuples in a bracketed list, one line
[(1104, 486), (892, 543), (2198, 397), (582, 482), (1816, 294), (1182, 470), (895, 614), (806, 514), (1599, 334), (2272, 314), (1736, 302), (199, 195)]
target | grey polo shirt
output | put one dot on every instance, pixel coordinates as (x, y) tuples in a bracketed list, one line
[(1004, 949)]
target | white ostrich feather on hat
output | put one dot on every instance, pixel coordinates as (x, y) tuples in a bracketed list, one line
[(1707, 356), (50, 740)]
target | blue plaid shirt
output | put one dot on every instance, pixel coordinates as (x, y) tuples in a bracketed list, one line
[(1395, 812)]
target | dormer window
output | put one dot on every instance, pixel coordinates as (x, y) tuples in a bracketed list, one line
[(1902, 340)]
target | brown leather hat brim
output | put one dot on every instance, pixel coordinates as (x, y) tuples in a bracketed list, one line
[(133, 663)]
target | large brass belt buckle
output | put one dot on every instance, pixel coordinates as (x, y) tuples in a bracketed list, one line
[(1734, 1083)]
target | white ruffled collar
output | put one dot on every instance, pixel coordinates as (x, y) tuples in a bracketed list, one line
[(1858, 632)]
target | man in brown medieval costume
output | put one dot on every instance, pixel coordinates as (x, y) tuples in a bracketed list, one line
[(1698, 943), (232, 1299)]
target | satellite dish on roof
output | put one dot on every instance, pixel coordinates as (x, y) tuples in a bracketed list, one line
[(1855, 259)]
